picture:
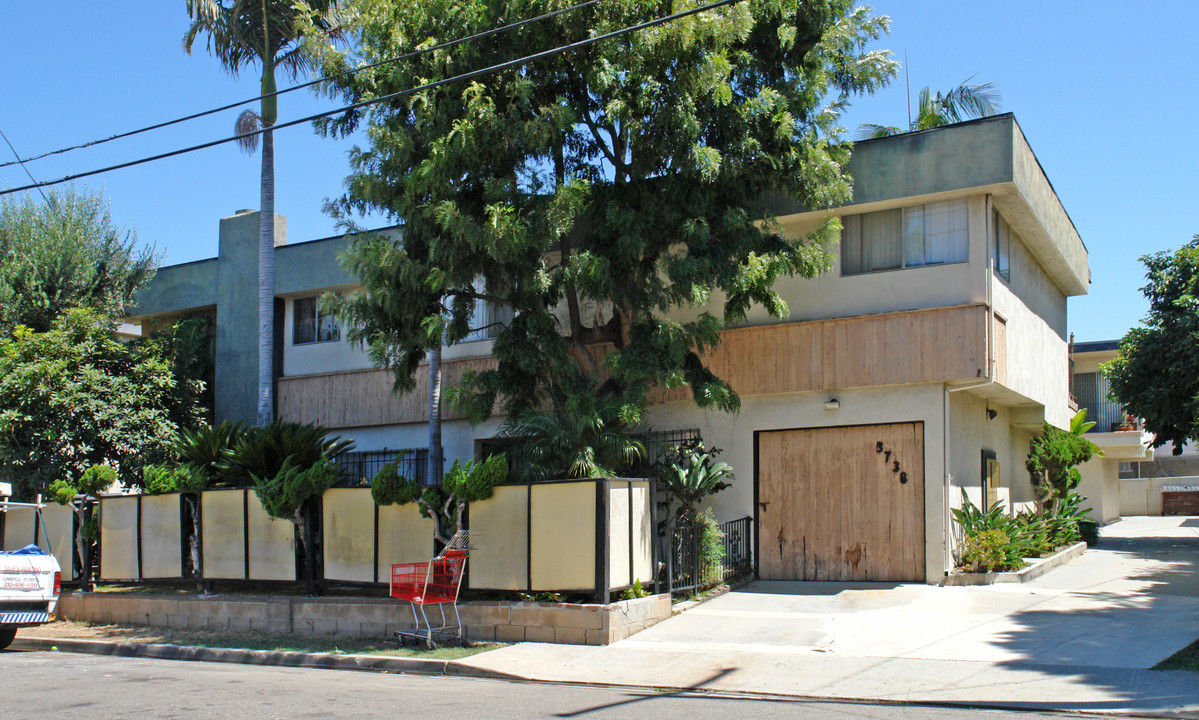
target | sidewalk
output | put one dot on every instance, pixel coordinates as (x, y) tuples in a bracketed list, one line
[(1080, 639)]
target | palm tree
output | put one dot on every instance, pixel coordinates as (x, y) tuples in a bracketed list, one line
[(964, 102), (241, 34)]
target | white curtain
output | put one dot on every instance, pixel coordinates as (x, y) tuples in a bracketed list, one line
[(936, 233)]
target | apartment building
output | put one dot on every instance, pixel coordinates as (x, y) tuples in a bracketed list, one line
[(919, 367)]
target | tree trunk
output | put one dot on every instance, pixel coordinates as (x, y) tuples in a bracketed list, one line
[(266, 281), (436, 464)]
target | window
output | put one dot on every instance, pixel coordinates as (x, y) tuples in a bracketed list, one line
[(310, 325), (933, 234), (1003, 246)]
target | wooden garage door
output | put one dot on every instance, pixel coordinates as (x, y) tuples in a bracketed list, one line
[(842, 503)]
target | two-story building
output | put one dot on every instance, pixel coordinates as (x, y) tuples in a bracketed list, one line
[(918, 367)]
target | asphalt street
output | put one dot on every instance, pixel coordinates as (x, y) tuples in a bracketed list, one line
[(64, 685)]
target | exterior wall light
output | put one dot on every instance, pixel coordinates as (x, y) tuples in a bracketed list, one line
[(832, 404)]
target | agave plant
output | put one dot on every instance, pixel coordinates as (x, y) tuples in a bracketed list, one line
[(691, 475)]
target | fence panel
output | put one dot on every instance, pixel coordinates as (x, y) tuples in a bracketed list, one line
[(348, 541), (119, 557), (161, 537), (19, 528), (404, 536), (499, 560), (223, 534), (272, 546), (689, 570), (60, 527)]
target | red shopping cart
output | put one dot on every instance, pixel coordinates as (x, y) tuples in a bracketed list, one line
[(435, 582)]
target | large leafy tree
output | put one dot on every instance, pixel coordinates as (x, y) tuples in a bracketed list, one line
[(74, 397), (269, 34), (967, 101), (1156, 375), (609, 197), (64, 253)]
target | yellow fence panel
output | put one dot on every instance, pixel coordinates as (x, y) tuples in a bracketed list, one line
[(19, 527), (619, 518), (222, 532), (59, 538), (404, 536), (500, 540), (272, 545), (643, 534), (162, 537), (563, 536), (118, 537), (349, 534)]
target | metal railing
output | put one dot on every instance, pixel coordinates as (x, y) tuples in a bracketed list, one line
[(359, 468), (689, 570)]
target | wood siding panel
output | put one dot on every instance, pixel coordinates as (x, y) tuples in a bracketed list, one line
[(836, 508), (915, 346)]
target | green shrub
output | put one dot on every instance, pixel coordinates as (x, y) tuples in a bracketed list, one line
[(389, 487), (711, 548), (159, 479), (209, 448), (283, 493), (1088, 530), (990, 551)]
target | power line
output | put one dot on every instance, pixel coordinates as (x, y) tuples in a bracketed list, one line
[(406, 56), (17, 155), (402, 93)]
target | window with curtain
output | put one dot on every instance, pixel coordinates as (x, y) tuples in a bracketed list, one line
[(932, 234), (311, 325)]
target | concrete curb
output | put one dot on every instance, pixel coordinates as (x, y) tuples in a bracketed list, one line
[(1031, 572), (327, 661), (454, 668)]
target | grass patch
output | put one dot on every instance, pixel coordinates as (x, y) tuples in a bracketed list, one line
[(1185, 659), (284, 642)]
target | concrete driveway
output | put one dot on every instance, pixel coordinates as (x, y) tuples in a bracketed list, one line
[(1079, 638), (1123, 604)]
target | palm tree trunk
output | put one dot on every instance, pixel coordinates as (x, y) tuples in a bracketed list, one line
[(436, 464), (266, 282)]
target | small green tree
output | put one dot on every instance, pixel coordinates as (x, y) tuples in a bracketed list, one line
[(74, 397), (1053, 460), (76, 493), (445, 504), (1156, 375), (65, 253)]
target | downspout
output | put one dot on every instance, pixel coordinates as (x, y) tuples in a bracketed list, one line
[(988, 379)]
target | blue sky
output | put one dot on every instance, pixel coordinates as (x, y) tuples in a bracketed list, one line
[(1106, 93)]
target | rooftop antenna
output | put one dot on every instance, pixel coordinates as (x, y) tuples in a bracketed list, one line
[(907, 80)]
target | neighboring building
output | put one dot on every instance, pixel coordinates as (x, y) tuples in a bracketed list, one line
[(1121, 438), (918, 367)]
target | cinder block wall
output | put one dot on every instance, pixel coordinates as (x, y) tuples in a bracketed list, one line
[(370, 617)]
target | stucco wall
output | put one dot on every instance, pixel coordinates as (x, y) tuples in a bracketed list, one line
[(1101, 486), (1037, 351), (735, 435)]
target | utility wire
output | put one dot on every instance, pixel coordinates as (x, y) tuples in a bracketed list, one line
[(402, 93), (17, 155), (406, 56)]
